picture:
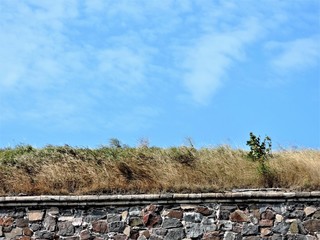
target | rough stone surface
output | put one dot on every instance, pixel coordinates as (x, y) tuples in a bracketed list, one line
[(50, 223), (194, 230), (310, 210), (227, 221), (175, 234), (239, 216), (117, 226), (312, 225), (250, 229), (171, 223), (100, 226), (65, 228), (175, 214), (14, 233), (36, 215)]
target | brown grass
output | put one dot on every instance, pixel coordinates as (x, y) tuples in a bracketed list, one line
[(66, 170)]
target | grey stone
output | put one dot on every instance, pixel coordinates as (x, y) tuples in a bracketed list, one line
[(296, 237), (231, 236), (281, 228), (298, 214), (192, 217), (194, 230), (22, 222), (252, 238), (117, 226), (65, 228), (35, 227), (159, 231), (316, 214), (223, 215), (171, 223), (44, 235), (155, 237), (276, 237), (225, 225), (175, 234), (14, 233), (113, 217), (54, 211), (50, 223), (250, 229)]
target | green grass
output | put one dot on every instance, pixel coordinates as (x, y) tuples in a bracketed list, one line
[(108, 170)]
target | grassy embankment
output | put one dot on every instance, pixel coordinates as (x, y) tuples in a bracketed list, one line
[(106, 170)]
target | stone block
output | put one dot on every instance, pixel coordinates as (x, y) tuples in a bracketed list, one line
[(117, 226), (50, 223), (281, 228), (194, 230), (175, 214), (309, 210), (35, 215), (239, 216), (171, 223), (6, 221), (14, 233), (250, 229), (100, 226), (175, 234), (312, 225), (65, 228), (192, 217), (266, 223), (22, 222)]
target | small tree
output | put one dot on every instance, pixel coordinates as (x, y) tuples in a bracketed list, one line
[(259, 150)]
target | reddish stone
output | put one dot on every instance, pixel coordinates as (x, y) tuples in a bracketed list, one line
[(175, 214), (6, 221), (212, 236), (268, 214), (266, 223), (84, 235), (204, 211), (100, 226), (154, 220), (145, 218), (27, 231), (312, 225), (24, 238), (239, 216)]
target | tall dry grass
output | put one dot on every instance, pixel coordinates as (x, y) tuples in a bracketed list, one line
[(67, 170)]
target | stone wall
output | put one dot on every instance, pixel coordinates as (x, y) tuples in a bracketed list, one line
[(238, 215)]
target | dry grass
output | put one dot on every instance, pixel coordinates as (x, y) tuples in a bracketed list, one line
[(66, 170)]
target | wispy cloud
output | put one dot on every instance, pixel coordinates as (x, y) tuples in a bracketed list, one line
[(212, 55), (297, 54)]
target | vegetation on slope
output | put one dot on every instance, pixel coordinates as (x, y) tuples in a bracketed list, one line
[(118, 169)]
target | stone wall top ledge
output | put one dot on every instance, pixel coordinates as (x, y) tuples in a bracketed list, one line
[(234, 196)]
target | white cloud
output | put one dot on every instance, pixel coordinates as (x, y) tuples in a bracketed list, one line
[(295, 55), (209, 59)]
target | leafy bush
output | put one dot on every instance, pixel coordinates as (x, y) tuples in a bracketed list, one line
[(259, 150)]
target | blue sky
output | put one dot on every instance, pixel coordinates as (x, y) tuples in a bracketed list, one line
[(80, 72)]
